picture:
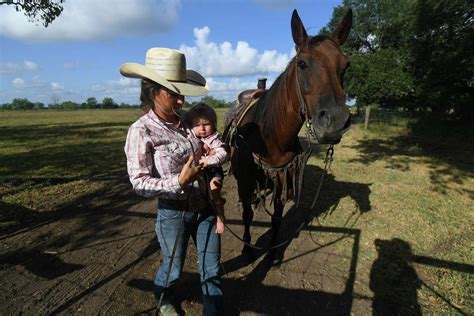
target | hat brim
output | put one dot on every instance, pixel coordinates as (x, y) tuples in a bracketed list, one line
[(195, 84)]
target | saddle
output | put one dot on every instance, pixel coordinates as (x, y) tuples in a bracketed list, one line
[(237, 111)]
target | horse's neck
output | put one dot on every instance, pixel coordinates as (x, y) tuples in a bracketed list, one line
[(281, 121)]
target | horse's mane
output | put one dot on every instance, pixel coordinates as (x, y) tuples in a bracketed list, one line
[(271, 108)]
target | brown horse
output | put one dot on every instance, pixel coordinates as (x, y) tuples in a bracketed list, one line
[(265, 140)]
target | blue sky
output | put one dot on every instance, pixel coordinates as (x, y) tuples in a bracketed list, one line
[(232, 43)]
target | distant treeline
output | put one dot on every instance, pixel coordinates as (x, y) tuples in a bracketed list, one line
[(22, 104)]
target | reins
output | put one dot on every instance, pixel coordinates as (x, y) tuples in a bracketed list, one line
[(303, 106)]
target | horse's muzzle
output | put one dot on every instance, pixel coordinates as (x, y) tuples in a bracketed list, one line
[(328, 128)]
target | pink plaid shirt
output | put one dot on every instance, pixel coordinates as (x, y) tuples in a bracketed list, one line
[(156, 153)]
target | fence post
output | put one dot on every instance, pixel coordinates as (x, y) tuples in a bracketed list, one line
[(367, 115)]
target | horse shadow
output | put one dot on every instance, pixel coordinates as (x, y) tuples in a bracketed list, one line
[(298, 219), (332, 191), (393, 280)]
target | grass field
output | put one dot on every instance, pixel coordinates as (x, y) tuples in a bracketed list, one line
[(408, 188)]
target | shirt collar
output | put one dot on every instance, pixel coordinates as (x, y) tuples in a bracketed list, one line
[(168, 125)]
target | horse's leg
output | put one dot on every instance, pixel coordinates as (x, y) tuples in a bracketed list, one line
[(276, 223), (244, 172), (247, 217)]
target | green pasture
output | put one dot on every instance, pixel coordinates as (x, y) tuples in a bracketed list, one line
[(408, 189)]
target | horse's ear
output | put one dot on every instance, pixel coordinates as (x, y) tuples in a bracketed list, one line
[(343, 28), (297, 30)]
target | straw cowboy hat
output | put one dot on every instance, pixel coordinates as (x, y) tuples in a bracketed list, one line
[(167, 67)]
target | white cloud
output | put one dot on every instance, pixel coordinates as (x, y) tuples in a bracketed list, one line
[(29, 65), (15, 69), (57, 86), (234, 84), (228, 90), (38, 90), (18, 83), (122, 90), (31, 85), (127, 84), (94, 20), (70, 65), (214, 59)]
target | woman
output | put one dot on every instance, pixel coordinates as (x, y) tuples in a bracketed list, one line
[(163, 160)]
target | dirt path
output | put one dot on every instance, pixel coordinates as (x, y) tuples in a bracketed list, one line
[(99, 257)]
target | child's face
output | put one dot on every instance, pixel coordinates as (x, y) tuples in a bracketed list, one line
[(202, 127)]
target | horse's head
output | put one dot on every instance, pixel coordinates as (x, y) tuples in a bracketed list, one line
[(320, 66)]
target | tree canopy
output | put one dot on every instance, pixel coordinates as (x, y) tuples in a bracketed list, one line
[(414, 54)]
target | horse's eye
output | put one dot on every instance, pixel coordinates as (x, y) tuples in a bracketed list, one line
[(302, 64)]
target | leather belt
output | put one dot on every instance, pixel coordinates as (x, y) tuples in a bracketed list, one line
[(192, 205), (173, 204)]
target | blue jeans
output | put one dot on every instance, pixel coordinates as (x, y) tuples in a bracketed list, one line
[(202, 229)]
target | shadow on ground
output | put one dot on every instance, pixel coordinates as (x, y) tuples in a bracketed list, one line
[(442, 144)]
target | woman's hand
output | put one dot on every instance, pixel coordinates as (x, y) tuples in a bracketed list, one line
[(189, 172)]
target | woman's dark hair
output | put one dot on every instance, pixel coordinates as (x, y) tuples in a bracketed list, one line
[(201, 110), (147, 95)]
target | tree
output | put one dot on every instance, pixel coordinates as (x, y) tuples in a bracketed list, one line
[(38, 106), (69, 105), (6, 106), (22, 104), (441, 52), (108, 103), (91, 103), (380, 77), (54, 102), (377, 24), (213, 101), (126, 105), (377, 49), (415, 53), (38, 10)]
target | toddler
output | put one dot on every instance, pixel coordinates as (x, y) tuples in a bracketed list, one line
[(203, 119)]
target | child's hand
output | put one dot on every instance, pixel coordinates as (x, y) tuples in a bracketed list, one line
[(211, 152), (219, 226), (215, 183)]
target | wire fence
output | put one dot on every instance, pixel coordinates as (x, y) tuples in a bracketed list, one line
[(369, 115)]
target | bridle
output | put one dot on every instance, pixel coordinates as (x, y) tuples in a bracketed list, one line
[(304, 109), (303, 106)]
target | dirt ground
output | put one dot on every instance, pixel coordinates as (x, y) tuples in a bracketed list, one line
[(99, 255)]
